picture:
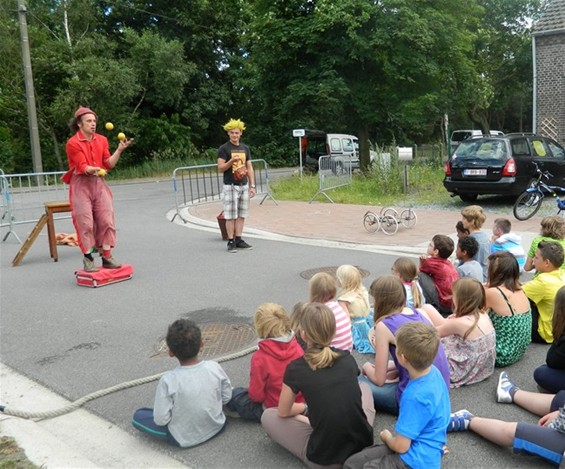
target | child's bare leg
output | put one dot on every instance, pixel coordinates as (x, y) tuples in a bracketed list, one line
[(534, 402), (499, 432)]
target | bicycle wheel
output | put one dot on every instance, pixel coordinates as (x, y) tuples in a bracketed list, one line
[(527, 204), (408, 218), (388, 211), (371, 222), (389, 225)]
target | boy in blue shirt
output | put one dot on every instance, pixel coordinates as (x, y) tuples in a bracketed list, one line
[(420, 431)]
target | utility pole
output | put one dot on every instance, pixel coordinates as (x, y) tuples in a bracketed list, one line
[(30, 93)]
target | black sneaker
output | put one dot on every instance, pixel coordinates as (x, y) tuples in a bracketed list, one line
[(240, 244), (231, 246)]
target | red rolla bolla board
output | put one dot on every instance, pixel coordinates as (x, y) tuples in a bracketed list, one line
[(104, 276)]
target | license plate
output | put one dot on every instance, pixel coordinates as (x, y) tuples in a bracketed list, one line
[(474, 172)]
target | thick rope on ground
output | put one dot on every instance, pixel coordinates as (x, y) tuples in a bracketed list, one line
[(104, 392)]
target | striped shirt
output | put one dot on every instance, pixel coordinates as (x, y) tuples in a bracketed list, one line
[(342, 339)]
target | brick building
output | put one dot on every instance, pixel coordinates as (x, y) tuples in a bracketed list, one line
[(548, 46)]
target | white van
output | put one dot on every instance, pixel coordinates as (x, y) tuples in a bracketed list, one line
[(457, 136), (342, 147)]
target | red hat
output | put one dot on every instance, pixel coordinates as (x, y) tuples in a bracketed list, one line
[(81, 111)]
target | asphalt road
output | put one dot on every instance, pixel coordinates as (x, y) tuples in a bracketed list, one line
[(77, 340)]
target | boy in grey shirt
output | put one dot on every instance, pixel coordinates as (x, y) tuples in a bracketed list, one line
[(189, 398), (467, 247)]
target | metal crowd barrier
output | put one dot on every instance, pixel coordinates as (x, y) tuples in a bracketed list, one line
[(202, 184), (333, 172), (24, 195)]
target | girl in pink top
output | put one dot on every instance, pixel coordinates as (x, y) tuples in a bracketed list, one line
[(323, 289)]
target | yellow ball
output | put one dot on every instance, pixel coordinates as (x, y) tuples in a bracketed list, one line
[(121, 136), (102, 172), (109, 126)]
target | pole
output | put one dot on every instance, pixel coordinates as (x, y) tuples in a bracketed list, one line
[(300, 152), (30, 92)]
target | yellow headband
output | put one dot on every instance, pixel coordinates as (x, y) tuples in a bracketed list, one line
[(234, 124)]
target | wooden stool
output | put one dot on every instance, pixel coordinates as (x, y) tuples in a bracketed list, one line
[(46, 219), (50, 209)]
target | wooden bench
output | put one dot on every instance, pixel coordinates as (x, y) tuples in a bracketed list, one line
[(46, 219)]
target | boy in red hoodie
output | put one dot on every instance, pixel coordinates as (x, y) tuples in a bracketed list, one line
[(277, 348), (437, 273)]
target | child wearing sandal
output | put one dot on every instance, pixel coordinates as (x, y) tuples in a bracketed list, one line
[(420, 431), (354, 298), (468, 335), (337, 419), (277, 348), (546, 439)]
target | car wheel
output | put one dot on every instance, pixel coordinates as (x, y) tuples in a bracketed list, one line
[(468, 197)]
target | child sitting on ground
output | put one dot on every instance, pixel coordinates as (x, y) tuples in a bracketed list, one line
[(337, 419), (437, 274), (467, 248), (189, 398), (468, 335), (460, 230), (388, 378), (407, 271), (508, 308), (545, 439), (552, 229), (473, 218), (277, 348), (551, 376), (323, 289), (503, 240), (542, 289), (354, 298), (420, 431)]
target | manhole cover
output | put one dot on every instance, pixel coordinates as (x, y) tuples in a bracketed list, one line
[(308, 274), (219, 340)]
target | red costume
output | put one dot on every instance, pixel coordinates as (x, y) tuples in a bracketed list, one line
[(90, 197)]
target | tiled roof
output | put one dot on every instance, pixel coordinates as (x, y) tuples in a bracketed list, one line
[(553, 17)]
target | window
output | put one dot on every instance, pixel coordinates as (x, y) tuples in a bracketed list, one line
[(540, 151), (556, 150), (520, 147), (335, 144), (347, 144)]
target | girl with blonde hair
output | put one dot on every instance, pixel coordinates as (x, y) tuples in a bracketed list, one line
[(387, 379), (337, 419), (468, 335), (407, 271), (473, 218), (354, 298), (277, 348)]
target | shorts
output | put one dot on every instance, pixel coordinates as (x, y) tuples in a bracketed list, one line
[(541, 441), (558, 401), (236, 201)]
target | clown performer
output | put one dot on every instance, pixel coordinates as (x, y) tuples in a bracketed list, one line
[(89, 195), (234, 161)]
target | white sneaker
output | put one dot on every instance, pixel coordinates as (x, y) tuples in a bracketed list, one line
[(503, 388)]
